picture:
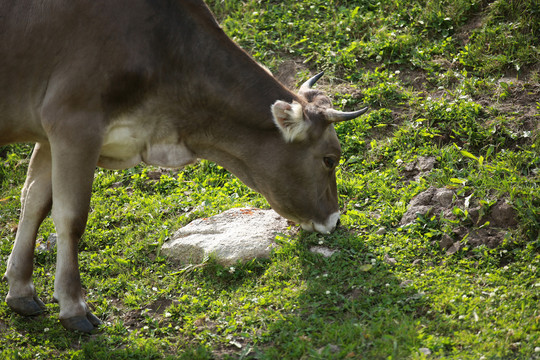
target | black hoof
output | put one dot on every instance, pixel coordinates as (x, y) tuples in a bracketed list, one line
[(84, 324), (26, 306)]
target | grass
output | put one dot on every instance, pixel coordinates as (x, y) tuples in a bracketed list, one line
[(454, 80)]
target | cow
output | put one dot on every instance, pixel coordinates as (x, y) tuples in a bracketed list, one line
[(117, 83)]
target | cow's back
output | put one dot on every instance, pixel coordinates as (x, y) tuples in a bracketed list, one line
[(91, 53)]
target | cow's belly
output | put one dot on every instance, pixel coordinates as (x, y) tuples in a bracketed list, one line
[(126, 145)]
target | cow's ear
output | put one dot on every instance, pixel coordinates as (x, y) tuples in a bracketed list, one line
[(289, 118)]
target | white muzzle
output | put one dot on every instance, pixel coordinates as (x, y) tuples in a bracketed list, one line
[(325, 228)]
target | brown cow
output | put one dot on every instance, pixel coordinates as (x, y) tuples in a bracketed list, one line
[(116, 83)]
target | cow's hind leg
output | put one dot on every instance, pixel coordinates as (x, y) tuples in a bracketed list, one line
[(75, 151), (36, 200)]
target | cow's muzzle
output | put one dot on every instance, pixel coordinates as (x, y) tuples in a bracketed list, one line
[(324, 228)]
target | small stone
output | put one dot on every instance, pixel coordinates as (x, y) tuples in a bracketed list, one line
[(446, 242), (389, 260), (420, 204), (412, 213), (424, 198), (46, 245), (154, 175), (474, 214), (334, 348), (444, 197), (324, 251), (406, 283), (425, 351), (503, 215), (410, 167), (454, 248), (381, 231), (425, 163)]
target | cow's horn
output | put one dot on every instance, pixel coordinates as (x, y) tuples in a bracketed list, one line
[(309, 84), (335, 116)]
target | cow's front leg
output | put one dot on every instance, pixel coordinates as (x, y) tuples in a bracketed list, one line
[(36, 201), (75, 151)]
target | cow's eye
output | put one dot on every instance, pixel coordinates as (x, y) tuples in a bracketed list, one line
[(329, 162)]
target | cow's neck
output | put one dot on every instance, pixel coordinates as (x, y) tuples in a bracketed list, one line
[(232, 84), (229, 98), (235, 118)]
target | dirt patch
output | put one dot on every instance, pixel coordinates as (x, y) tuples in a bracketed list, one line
[(520, 100), (134, 319), (416, 78), (159, 306), (485, 225), (433, 201), (3, 326), (287, 72), (418, 168), (461, 236), (521, 95), (464, 33)]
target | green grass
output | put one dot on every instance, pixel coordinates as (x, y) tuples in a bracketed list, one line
[(455, 80)]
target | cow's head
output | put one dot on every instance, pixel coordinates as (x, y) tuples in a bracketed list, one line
[(303, 179)]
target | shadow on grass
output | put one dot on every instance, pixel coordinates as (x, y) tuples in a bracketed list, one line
[(348, 305), (352, 307)]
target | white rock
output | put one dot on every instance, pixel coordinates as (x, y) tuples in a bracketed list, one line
[(240, 234)]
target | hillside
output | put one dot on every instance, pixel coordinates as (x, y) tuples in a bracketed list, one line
[(438, 251)]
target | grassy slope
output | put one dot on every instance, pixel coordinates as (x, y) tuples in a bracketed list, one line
[(457, 80)]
